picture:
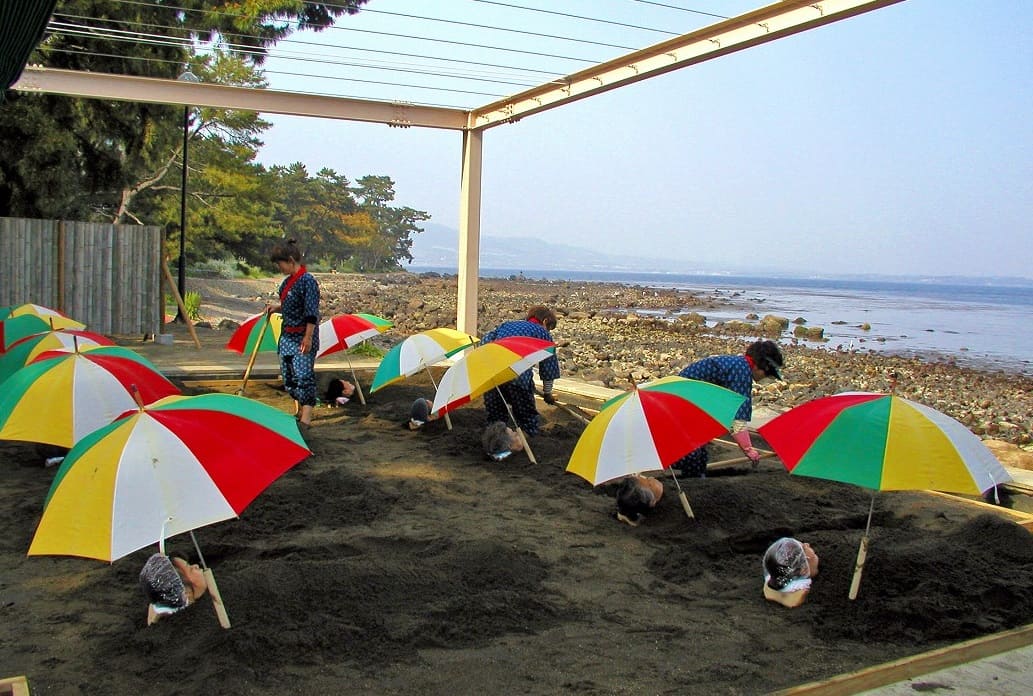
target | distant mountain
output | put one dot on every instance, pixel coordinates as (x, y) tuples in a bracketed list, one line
[(438, 246)]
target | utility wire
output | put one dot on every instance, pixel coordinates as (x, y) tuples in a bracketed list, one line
[(574, 16), (155, 40), (300, 55), (683, 9), (83, 52)]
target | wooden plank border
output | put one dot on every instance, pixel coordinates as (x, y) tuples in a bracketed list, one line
[(916, 665)]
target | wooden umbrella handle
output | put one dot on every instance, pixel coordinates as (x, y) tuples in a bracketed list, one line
[(179, 302), (213, 589), (862, 554), (254, 352)]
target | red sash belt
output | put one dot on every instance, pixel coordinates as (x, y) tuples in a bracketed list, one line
[(293, 329)]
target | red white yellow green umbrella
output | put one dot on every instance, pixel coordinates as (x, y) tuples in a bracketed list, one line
[(487, 366), (882, 442), (651, 427), (60, 319), (419, 352), (164, 469), (343, 331), (256, 334), (27, 349), (19, 326), (61, 397)]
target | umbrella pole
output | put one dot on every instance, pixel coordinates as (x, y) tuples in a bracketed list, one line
[(519, 431), (358, 387), (862, 553), (254, 353), (682, 497), (448, 421), (213, 589)]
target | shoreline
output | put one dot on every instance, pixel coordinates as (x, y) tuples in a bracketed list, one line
[(604, 339)]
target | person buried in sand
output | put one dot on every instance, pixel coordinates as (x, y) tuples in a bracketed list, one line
[(420, 413), (500, 441), (762, 359), (338, 392), (637, 496), (789, 566), (170, 584)]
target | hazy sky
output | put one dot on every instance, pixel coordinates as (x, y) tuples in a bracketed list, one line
[(897, 142)]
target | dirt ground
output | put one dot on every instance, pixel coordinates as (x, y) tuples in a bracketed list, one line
[(400, 562)]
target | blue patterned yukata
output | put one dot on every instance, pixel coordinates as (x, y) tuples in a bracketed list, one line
[(731, 372), (300, 306), (519, 393)]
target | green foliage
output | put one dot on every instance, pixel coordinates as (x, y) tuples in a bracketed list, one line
[(95, 160), (366, 350), (192, 302)]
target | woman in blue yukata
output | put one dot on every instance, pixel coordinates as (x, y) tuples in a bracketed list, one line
[(736, 372), (519, 393), (299, 339)]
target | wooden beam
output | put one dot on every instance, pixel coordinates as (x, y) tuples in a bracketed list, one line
[(750, 29), (1023, 519), (916, 665), (76, 83)]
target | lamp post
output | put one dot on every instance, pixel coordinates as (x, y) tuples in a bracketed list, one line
[(187, 76)]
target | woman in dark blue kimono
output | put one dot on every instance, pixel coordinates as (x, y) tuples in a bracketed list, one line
[(299, 337)]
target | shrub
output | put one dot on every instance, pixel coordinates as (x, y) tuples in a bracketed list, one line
[(192, 301)]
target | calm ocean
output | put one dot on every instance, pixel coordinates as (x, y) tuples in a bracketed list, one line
[(981, 325)]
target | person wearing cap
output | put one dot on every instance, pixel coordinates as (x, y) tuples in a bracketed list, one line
[(636, 497), (789, 566), (500, 441), (519, 393), (420, 414), (762, 359), (170, 585)]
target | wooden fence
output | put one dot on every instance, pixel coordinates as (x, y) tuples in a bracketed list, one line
[(106, 276)]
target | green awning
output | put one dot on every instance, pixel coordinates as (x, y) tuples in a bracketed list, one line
[(22, 23)]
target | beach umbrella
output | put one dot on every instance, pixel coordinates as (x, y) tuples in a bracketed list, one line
[(488, 366), (35, 310), (60, 397), (342, 331), (419, 352), (17, 327), (651, 427), (180, 463), (24, 351), (881, 442), (258, 334)]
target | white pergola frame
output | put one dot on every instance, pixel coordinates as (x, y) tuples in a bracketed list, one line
[(728, 36)]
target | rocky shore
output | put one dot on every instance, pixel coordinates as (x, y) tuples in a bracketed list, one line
[(614, 335)]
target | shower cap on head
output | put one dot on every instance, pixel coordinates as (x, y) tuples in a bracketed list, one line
[(496, 440), (785, 566), (162, 584), (419, 413)]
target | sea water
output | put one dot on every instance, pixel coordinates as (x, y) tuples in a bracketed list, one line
[(988, 325)]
